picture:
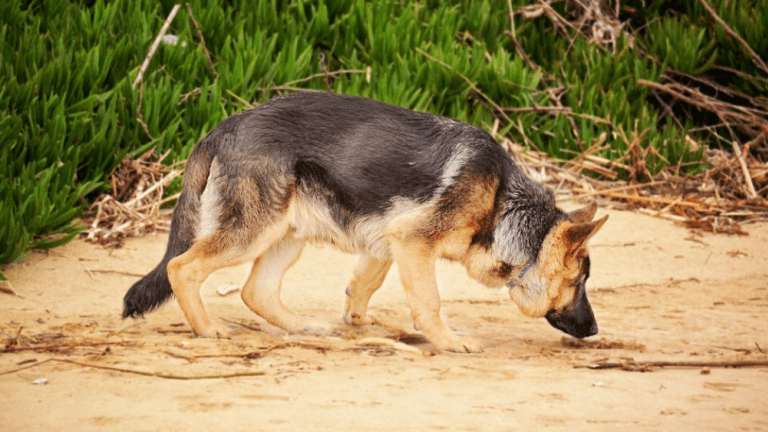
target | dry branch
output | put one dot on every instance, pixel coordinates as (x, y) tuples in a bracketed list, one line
[(716, 200), (137, 372), (155, 44), (755, 117), (756, 58), (6, 288), (648, 366), (202, 41), (134, 206), (14, 347), (118, 272), (140, 116)]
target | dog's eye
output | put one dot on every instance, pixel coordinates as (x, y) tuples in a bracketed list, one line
[(584, 273)]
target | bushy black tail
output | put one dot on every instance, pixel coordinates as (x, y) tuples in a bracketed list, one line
[(155, 288)]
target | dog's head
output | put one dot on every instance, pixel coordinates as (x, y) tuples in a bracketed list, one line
[(554, 285)]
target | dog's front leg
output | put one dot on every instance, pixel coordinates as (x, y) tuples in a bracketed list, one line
[(416, 263)]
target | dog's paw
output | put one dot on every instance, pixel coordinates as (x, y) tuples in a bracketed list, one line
[(458, 344), (359, 321), (214, 331)]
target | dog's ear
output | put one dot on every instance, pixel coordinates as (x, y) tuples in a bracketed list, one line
[(577, 234), (584, 214)]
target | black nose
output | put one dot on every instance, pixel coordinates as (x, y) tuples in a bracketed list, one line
[(577, 319)]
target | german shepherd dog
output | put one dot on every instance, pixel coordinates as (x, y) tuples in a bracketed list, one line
[(387, 183)]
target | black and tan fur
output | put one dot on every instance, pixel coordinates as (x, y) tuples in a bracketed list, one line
[(392, 185)]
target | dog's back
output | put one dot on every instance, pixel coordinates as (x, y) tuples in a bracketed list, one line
[(367, 152)]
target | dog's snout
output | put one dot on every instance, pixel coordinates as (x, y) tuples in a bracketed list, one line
[(577, 320)]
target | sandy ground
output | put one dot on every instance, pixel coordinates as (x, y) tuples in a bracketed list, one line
[(660, 293)]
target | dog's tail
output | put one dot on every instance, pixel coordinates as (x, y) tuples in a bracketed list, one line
[(155, 288)]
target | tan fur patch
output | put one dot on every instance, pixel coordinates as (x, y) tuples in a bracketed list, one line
[(550, 283)]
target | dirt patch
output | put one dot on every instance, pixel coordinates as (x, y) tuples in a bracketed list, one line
[(660, 293)]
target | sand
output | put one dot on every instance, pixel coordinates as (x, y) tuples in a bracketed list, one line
[(660, 293)]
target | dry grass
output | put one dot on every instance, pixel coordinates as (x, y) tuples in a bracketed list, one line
[(133, 208), (718, 200)]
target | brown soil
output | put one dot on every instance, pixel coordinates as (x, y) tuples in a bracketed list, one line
[(660, 293)]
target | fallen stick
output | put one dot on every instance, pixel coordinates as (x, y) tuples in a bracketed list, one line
[(737, 151), (51, 347), (245, 326), (386, 343), (241, 100), (289, 86), (155, 44), (5, 288), (137, 372), (119, 272), (646, 366), (173, 331)]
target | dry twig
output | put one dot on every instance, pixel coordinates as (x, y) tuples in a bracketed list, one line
[(756, 58), (133, 207), (716, 200), (136, 372), (140, 116), (119, 272), (290, 85), (6, 288), (155, 44), (202, 41), (145, 65), (648, 366), (14, 347)]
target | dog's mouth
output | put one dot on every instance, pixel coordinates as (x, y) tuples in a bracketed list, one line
[(577, 319)]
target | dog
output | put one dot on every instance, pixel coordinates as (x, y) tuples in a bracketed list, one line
[(389, 184)]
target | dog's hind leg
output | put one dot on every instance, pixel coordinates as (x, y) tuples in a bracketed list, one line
[(368, 277), (188, 271), (261, 292), (416, 263)]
